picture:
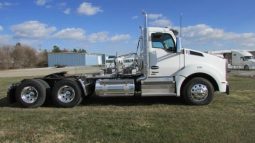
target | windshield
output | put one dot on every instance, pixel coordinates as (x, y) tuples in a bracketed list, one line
[(128, 61), (246, 58), (109, 61), (163, 41)]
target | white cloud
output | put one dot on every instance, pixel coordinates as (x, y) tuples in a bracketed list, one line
[(4, 4), (32, 29), (154, 16), (98, 37), (120, 37), (71, 33), (204, 32), (44, 3), (134, 17), (105, 37), (213, 37), (1, 28), (158, 20), (88, 9), (67, 11), (161, 23), (41, 2), (35, 30)]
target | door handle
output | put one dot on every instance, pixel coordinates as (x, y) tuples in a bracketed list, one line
[(154, 67)]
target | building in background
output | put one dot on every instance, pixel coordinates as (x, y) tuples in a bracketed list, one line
[(75, 59)]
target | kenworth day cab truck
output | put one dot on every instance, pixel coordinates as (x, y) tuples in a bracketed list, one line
[(159, 69)]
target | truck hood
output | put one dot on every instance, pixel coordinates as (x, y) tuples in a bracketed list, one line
[(194, 57), (252, 60)]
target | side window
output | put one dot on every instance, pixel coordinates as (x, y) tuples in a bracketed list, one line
[(163, 41)]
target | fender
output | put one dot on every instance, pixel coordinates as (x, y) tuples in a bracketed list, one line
[(190, 70)]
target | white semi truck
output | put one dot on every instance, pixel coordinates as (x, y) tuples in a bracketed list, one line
[(109, 64), (237, 59), (242, 60), (126, 62), (160, 69)]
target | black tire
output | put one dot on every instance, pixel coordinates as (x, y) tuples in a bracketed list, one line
[(72, 95), (198, 85), (30, 93), (246, 67), (109, 71), (48, 101), (46, 85)]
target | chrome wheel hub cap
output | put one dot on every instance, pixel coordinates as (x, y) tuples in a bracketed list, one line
[(29, 94), (66, 94), (199, 92)]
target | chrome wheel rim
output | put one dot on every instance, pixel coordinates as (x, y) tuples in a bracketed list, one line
[(66, 94), (29, 94), (199, 92)]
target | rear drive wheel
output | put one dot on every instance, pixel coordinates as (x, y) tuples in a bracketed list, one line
[(30, 93), (66, 93), (198, 91)]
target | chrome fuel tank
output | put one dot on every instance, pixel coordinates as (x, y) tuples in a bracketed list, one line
[(115, 87)]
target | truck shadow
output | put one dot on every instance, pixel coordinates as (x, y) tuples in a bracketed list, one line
[(117, 101), (131, 101), (5, 103)]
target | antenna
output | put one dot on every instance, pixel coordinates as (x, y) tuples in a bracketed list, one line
[(179, 45), (145, 19), (181, 24)]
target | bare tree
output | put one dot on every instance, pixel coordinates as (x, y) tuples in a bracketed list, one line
[(23, 56), (5, 57), (42, 59)]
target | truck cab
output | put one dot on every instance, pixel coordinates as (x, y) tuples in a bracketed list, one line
[(109, 64), (168, 68)]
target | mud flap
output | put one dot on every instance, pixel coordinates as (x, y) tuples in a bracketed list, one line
[(227, 90)]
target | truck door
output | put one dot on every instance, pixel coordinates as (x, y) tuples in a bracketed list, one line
[(164, 60)]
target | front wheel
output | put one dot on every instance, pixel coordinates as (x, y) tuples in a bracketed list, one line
[(198, 91), (66, 93), (246, 67)]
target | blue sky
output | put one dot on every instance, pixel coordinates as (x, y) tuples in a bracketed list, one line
[(108, 26)]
